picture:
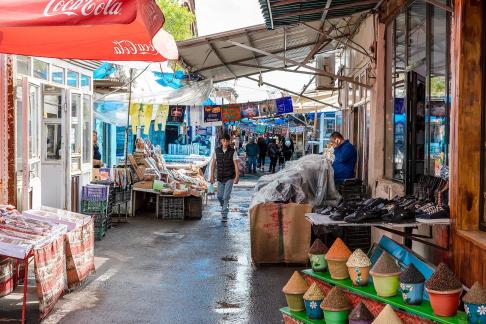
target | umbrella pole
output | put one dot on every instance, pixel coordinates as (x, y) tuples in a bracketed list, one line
[(128, 118)]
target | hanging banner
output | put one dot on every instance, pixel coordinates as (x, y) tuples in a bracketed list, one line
[(212, 114), (176, 114), (267, 108), (161, 117), (249, 110), (147, 111), (231, 113), (284, 105), (134, 116)]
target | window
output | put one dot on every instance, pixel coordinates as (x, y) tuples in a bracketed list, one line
[(52, 102), (53, 142), (87, 125), (41, 70), (52, 128), (19, 128), (57, 74), (72, 79), (417, 107), (85, 82), (34, 119), (24, 65), (75, 132)]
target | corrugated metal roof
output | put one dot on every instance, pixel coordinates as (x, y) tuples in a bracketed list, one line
[(213, 57), (288, 12)]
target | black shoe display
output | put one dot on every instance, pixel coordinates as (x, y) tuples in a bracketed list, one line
[(400, 216), (365, 216)]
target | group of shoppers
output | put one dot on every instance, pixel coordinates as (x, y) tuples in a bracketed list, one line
[(278, 151)]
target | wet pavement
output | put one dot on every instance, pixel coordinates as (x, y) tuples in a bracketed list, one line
[(154, 271)]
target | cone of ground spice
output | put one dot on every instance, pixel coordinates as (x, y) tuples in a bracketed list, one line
[(317, 256), (387, 316), (312, 299), (294, 291), (475, 304), (444, 291), (359, 267), (336, 258), (361, 315), (385, 274), (412, 285), (336, 306)]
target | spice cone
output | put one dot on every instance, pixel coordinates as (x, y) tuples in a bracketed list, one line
[(295, 285), (387, 316)]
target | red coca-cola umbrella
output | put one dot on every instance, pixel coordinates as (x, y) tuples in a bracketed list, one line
[(111, 30)]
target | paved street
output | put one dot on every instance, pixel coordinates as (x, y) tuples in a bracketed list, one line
[(151, 271)]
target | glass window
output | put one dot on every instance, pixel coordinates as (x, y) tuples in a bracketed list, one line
[(34, 119), (52, 102), (18, 112), (417, 17), (87, 124), (85, 82), (75, 106), (438, 111), (72, 79), (23, 65), (57, 74), (53, 142), (41, 70), (76, 164), (74, 138)]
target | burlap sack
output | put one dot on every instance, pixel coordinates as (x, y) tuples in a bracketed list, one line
[(280, 233)]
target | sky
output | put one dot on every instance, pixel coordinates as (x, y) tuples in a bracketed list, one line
[(215, 16)]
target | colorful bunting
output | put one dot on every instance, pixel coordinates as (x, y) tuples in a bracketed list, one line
[(231, 113), (212, 114)]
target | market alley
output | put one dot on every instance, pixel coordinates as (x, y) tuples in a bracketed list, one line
[(176, 272)]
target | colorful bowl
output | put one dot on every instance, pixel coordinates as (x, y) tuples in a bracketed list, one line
[(338, 269), (313, 309), (386, 284), (337, 316), (295, 302), (318, 262), (476, 314), (444, 303), (412, 293), (359, 275)]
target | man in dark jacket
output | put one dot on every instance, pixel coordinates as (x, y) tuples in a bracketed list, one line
[(262, 145), (224, 167), (252, 151), (345, 157), (273, 153)]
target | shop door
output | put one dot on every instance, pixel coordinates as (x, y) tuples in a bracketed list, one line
[(416, 129), (54, 147)]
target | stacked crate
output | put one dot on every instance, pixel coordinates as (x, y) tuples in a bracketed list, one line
[(94, 202)]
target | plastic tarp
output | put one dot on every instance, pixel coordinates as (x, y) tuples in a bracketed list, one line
[(308, 180)]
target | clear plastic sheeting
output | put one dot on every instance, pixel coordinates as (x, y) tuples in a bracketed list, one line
[(307, 180)]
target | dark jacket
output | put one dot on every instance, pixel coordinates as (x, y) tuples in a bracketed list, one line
[(252, 149), (345, 157), (262, 147), (225, 167), (273, 150)]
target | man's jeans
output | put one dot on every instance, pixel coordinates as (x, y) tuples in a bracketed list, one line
[(224, 193), (252, 164)]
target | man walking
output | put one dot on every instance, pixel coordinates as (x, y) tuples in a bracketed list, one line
[(225, 164), (252, 151), (263, 152), (273, 153)]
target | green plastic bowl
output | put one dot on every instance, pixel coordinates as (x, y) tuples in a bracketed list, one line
[(336, 317), (386, 285)]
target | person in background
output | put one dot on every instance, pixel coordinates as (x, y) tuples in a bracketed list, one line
[(263, 152), (288, 149), (281, 159), (224, 168), (252, 151), (345, 156), (273, 153), (97, 163)]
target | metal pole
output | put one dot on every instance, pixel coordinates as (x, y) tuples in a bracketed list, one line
[(128, 118)]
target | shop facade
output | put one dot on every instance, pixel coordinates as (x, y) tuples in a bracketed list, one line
[(49, 108)]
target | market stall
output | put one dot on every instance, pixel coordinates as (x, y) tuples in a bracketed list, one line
[(61, 245)]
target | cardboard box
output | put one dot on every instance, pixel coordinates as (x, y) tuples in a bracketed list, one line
[(144, 184), (280, 233)]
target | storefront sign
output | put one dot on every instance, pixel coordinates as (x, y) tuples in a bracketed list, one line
[(249, 110), (231, 113), (284, 105), (212, 114), (176, 114)]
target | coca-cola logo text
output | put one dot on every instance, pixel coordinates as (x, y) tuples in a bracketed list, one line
[(126, 47), (83, 8)]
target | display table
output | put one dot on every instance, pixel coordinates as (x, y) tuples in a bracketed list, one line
[(394, 228), (408, 313)]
